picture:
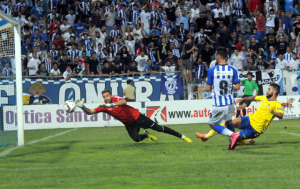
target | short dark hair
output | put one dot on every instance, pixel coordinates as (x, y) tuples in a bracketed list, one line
[(128, 81), (106, 91), (250, 73), (276, 87), (222, 52)]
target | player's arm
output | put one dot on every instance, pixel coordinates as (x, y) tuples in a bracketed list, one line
[(236, 80), (276, 114), (80, 104), (250, 98), (118, 103), (209, 81)]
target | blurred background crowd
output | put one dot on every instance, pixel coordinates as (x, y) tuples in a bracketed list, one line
[(73, 38)]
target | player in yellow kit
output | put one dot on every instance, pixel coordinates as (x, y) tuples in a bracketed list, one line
[(255, 124)]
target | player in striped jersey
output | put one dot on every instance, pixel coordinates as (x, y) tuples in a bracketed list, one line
[(221, 80)]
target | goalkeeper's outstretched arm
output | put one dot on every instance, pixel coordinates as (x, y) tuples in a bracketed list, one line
[(80, 104)]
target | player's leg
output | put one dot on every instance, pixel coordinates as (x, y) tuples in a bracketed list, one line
[(133, 131), (238, 112), (247, 132), (148, 123), (220, 115)]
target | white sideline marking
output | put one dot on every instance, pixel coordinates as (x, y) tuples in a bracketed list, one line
[(7, 151), (142, 164), (294, 134)]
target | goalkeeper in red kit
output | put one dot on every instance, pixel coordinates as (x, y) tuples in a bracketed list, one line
[(132, 119)]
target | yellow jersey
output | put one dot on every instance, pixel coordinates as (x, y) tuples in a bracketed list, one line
[(261, 119)]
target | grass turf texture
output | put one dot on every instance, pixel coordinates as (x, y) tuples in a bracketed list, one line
[(108, 158)]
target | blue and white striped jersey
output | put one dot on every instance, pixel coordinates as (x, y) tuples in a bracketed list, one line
[(134, 16), (73, 54), (287, 56), (123, 16), (222, 78)]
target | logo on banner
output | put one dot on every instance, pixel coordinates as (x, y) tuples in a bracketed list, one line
[(171, 85), (157, 113), (288, 106)]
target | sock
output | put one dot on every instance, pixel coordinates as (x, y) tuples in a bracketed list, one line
[(164, 129), (182, 136), (211, 133), (244, 112), (222, 130), (238, 113), (231, 127)]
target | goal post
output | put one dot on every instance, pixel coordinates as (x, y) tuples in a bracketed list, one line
[(11, 46)]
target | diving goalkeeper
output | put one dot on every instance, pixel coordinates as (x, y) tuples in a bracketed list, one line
[(132, 119), (255, 124)]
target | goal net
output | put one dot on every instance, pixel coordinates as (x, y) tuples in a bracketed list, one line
[(11, 102)]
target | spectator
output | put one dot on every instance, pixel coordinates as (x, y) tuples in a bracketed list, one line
[(106, 70), (7, 71), (270, 22), (169, 69), (58, 42), (187, 64), (206, 55), (68, 73), (238, 61), (263, 65), (79, 70), (42, 72), (48, 62), (270, 38), (148, 68), (132, 68), (109, 18), (71, 17), (288, 55), (281, 63), (93, 65), (141, 61), (281, 44), (37, 12), (117, 69), (55, 72), (129, 92), (33, 64), (294, 64)]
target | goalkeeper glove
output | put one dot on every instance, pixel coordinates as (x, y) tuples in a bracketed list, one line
[(107, 105), (80, 103)]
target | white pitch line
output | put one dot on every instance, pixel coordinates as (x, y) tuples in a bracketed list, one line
[(9, 150), (294, 134)]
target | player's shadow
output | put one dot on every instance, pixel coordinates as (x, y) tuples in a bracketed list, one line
[(43, 148)]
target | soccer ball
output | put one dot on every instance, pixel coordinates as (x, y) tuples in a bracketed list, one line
[(69, 106)]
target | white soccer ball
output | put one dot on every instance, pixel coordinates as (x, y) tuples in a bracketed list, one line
[(69, 106)]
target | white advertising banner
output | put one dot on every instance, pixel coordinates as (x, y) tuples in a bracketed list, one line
[(197, 111), (163, 112), (54, 116)]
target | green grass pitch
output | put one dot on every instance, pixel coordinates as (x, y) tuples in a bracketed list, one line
[(108, 158)]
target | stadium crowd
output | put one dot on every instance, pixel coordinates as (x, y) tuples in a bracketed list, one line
[(111, 37)]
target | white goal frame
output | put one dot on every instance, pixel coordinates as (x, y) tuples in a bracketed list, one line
[(19, 87)]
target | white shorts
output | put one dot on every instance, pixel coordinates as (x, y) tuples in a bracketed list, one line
[(221, 114)]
